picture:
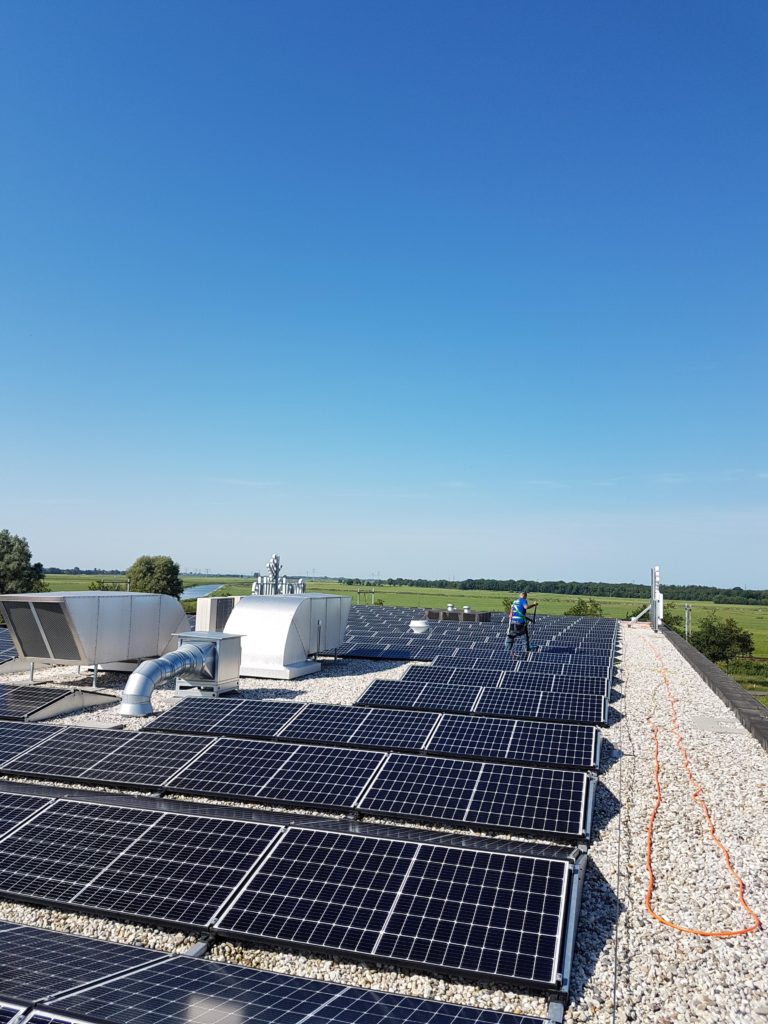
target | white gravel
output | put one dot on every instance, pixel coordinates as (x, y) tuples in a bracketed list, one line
[(661, 975)]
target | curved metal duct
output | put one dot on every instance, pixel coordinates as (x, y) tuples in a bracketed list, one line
[(197, 658)]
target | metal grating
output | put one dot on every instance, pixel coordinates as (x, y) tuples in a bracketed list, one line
[(24, 625), (57, 632)]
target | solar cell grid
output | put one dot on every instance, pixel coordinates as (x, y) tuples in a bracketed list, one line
[(233, 767), (14, 808), (65, 846), (539, 801), (68, 754), (518, 906), (322, 777), (423, 788), (16, 737), (260, 719), (325, 722), (531, 800), (180, 870), (327, 890), (16, 702), (394, 729), (471, 736), (146, 759), (36, 963)]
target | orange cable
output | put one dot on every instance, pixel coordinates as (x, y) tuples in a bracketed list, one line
[(698, 799)]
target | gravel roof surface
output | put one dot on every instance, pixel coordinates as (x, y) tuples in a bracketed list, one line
[(657, 974)]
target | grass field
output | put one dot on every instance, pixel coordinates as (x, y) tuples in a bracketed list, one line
[(753, 618)]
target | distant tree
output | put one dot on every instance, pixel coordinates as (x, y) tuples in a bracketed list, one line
[(585, 606), (155, 574), (506, 604), (18, 573), (673, 619), (105, 585), (722, 639)]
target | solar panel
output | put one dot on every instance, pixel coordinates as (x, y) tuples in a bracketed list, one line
[(36, 963), (279, 772), (235, 768), (180, 990), (18, 736), (67, 754), (429, 697), (328, 722), (551, 707), (445, 908), (501, 702), (15, 808), (471, 736), (180, 871), (146, 759), (322, 777), (16, 702), (9, 1010), (395, 730), (453, 674), (541, 801), (7, 648), (172, 868)]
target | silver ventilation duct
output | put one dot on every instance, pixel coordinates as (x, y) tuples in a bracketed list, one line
[(202, 661)]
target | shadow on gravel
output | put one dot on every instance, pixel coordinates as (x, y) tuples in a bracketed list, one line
[(597, 924), (609, 754), (606, 808), (614, 716)]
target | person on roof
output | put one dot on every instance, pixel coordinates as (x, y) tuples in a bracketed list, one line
[(518, 620)]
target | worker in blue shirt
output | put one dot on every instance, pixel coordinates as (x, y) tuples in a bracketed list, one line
[(518, 620)]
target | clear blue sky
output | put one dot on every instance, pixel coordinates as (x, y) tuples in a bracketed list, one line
[(409, 288)]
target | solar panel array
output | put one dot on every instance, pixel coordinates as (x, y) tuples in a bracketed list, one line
[(485, 738), (507, 797), (497, 912), (490, 701), (526, 742), (68, 977)]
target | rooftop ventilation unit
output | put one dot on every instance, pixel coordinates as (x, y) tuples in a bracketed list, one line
[(212, 613), (113, 630), (280, 633)]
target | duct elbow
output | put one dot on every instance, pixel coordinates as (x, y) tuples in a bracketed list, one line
[(189, 657)]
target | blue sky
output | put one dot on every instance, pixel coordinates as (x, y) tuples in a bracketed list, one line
[(421, 289)]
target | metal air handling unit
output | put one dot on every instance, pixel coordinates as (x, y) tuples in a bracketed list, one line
[(93, 627), (280, 633)]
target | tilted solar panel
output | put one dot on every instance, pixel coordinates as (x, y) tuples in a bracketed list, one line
[(449, 909), (181, 990), (36, 963), (16, 808), (171, 868), (16, 702), (16, 737), (541, 801), (258, 718)]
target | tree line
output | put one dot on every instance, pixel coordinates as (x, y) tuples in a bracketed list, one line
[(688, 592)]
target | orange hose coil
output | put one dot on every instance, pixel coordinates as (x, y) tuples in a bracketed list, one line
[(698, 799)]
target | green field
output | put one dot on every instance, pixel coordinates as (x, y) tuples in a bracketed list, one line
[(753, 618)]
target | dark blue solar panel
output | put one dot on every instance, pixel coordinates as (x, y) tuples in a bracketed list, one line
[(544, 801), (260, 719), (445, 908)]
